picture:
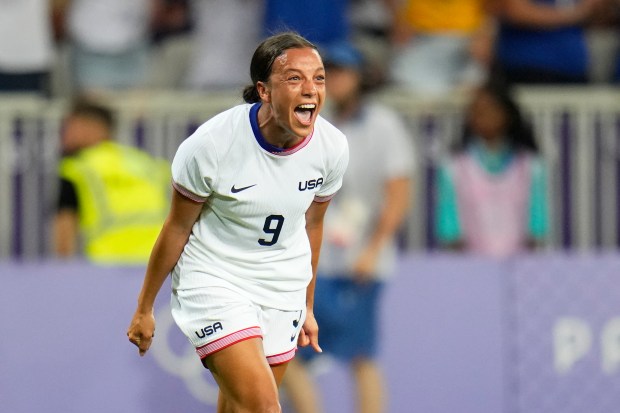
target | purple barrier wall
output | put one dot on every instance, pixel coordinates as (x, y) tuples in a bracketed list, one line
[(443, 336), (461, 334), (564, 324)]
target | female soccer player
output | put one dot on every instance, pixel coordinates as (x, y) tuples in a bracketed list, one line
[(243, 234)]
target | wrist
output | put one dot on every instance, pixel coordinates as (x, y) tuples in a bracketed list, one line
[(145, 309)]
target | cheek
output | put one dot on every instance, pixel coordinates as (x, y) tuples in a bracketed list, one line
[(71, 136), (489, 126), (496, 121), (336, 83), (335, 89)]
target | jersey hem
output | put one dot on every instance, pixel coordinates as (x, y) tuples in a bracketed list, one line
[(282, 357), (229, 340)]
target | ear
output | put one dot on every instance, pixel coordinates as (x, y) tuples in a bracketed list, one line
[(263, 91)]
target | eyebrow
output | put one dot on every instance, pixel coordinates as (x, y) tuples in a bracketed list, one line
[(294, 70)]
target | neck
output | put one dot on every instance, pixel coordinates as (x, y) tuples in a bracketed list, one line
[(493, 144), (273, 133)]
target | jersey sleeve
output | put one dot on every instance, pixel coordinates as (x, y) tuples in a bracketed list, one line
[(194, 167), (67, 196), (333, 182)]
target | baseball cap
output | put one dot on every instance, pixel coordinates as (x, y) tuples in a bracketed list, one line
[(342, 54)]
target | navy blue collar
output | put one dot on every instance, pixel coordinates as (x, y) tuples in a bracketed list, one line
[(257, 133), (263, 142)]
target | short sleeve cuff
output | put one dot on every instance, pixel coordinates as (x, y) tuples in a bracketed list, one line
[(188, 194), (323, 198)]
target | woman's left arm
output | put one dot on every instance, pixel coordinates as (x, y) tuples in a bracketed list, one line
[(314, 228)]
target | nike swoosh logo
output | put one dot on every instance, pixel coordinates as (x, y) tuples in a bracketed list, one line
[(235, 190), (295, 325)]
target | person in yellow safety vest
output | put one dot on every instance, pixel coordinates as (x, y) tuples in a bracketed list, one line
[(113, 198)]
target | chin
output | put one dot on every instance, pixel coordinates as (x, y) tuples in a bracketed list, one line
[(304, 131)]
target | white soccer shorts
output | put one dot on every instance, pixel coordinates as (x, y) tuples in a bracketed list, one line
[(214, 318)]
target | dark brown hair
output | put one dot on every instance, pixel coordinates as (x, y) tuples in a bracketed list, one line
[(89, 108), (518, 130), (266, 53)]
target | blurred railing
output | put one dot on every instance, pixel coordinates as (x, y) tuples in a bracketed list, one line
[(578, 130)]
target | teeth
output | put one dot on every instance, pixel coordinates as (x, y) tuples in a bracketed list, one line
[(307, 106)]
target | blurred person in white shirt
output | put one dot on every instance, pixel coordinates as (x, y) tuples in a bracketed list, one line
[(110, 43), (224, 36), (26, 45)]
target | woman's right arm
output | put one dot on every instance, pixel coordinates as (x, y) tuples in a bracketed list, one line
[(164, 256)]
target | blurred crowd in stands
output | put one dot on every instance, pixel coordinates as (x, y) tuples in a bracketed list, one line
[(68, 47), (491, 194), (75, 48), (428, 48)]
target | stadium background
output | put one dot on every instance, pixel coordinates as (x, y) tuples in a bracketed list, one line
[(536, 333)]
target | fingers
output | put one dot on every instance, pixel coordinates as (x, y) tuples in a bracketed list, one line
[(314, 342), (311, 340), (143, 346), (303, 339), (141, 331), (143, 343)]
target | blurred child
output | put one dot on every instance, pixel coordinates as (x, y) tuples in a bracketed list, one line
[(492, 192)]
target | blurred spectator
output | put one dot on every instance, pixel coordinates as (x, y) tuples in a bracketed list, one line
[(370, 18), (114, 196), (359, 249), (172, 46), (543, 41), (26, 45), (323, 22), (492, 192), (224, 38), (441, 46), (110, 43), (371, 26), (615, 6), (171, 17), (603, 41)]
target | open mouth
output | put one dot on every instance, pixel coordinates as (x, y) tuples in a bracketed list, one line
[(304, 113)]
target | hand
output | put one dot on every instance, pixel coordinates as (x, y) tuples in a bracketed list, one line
[(365, 266), (309, 334), (142, 330)]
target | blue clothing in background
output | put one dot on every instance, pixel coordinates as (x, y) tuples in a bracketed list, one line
[(320, 21), (347, 312), (559, 53)]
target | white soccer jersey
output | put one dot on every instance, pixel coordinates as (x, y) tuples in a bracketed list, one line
[(251, 233)]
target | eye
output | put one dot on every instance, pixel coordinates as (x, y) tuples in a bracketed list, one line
[(294, 78)]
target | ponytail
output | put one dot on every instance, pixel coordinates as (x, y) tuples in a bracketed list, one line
[(250, 94)]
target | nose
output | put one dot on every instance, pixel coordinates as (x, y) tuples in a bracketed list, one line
[(309, 88)]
